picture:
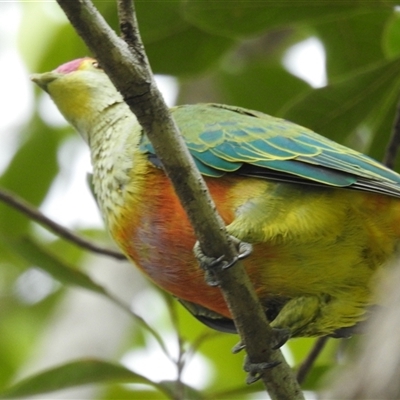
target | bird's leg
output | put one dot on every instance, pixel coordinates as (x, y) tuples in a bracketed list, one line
[(297, 314), (280, 337), (208, 264), (255, 370)]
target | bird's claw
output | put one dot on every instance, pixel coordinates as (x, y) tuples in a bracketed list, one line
[(208, 264), (255, 370), (281, 336), (244, 248), (237, 348)]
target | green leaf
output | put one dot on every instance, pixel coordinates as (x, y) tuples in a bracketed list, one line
[(21, 326), (391, 36), (382, 119), (243, 18), (36, 255), (239, 392), (261, 86), (353, 42), (72, 48), (160, 20), (75, 373), (125, 392), (30, 173), (338, 109), (56, 42), (182, 391), (186, 52)]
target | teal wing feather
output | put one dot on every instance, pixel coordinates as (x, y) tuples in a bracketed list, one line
[(225, 139)]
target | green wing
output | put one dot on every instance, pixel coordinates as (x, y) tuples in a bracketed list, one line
[(225, 139)]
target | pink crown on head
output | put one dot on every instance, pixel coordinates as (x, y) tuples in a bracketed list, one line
[(71, 66)]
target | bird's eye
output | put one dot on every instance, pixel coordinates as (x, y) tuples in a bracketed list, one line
[(96, 65)]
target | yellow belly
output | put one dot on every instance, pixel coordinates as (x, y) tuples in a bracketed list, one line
[(316, 250)]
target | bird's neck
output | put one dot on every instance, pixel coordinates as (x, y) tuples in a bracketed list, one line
[(114, 143)]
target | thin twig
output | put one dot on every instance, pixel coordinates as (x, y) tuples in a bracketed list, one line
[(394, 142), (128, 23), (307, 364), (23, 206)]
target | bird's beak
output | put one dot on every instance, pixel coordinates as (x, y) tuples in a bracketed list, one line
[(43, 80)]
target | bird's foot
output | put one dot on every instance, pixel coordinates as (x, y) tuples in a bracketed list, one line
[(209, 264), (237, 348), (281, 336), (255, 370)]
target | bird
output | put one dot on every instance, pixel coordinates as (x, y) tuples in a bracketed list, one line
[(323, 220)]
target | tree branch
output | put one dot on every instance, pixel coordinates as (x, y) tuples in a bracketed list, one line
[(128, 25), (21, 205), (131, 74), (394, 142)]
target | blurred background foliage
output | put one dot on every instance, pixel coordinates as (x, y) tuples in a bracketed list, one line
[(60, 304)]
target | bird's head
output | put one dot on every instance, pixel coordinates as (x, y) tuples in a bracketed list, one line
[(81, 90)]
